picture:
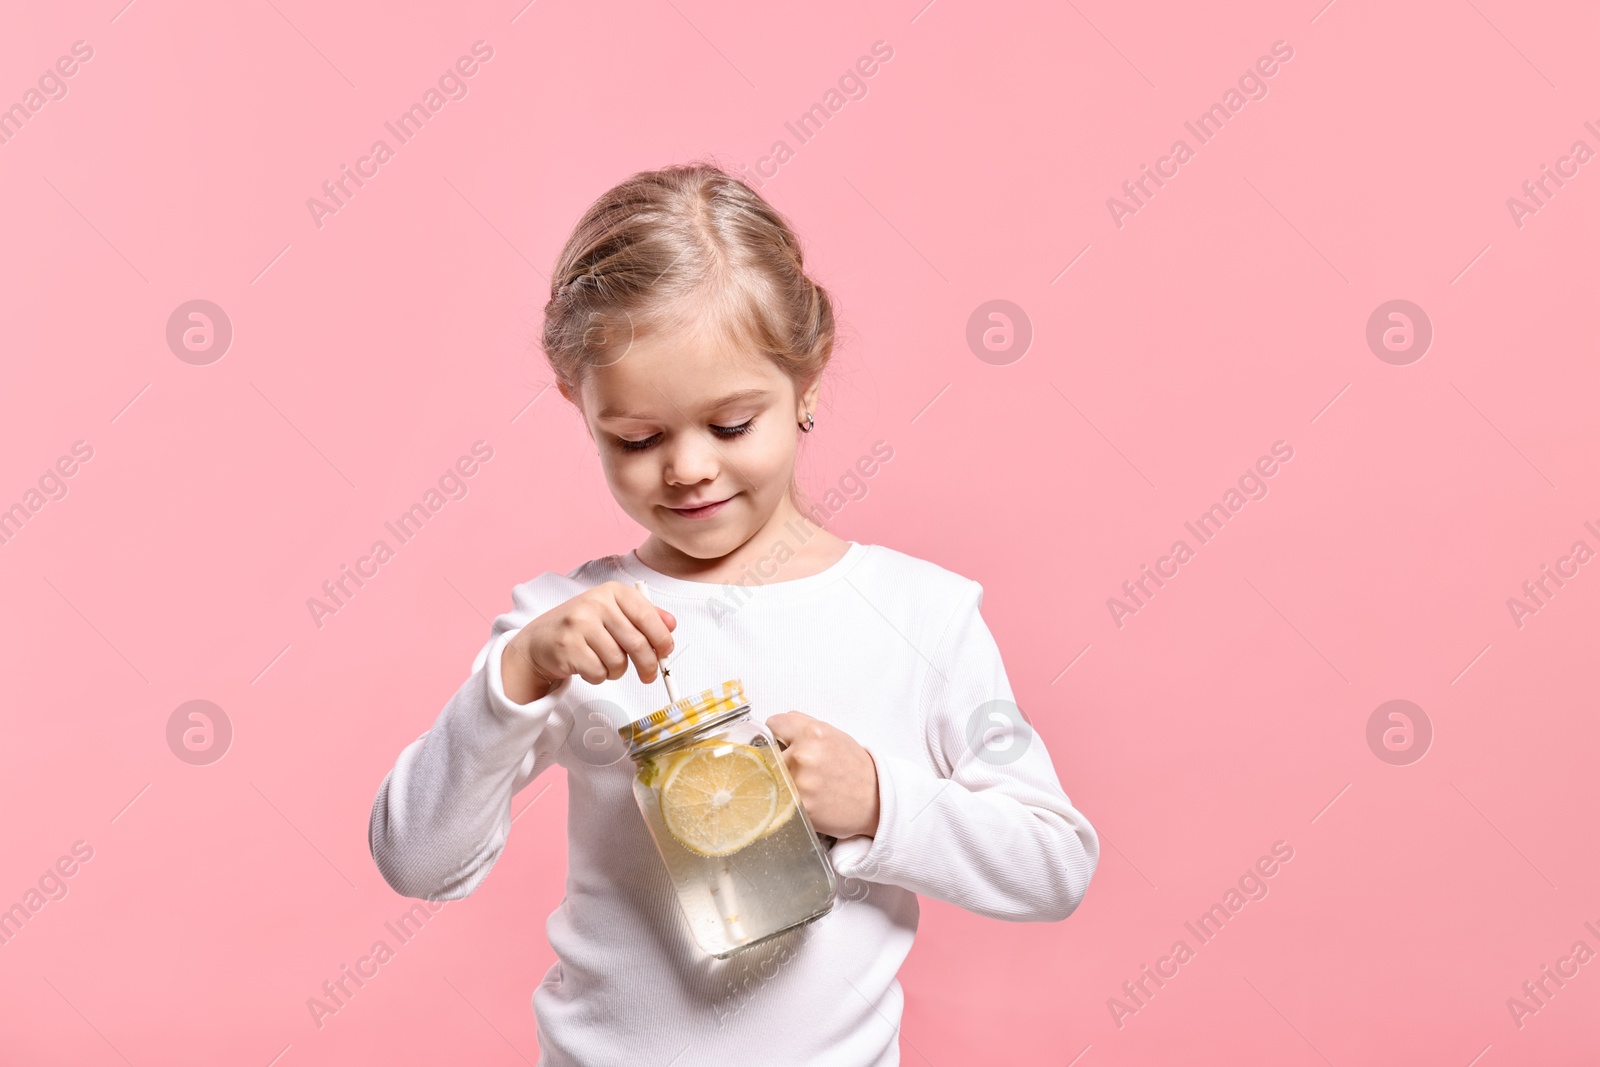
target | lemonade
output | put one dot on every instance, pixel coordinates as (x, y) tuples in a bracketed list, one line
[(717, 799), (741, 853), (739, 881)]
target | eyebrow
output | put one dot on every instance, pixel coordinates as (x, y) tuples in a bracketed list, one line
[(755, 393)]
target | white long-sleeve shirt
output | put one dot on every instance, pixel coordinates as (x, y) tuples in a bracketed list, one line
[(890, 649)]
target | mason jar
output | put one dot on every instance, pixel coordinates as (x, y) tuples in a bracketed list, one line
[(744, 860)]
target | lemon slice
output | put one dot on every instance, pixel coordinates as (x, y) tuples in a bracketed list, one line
[(786, 803), (656, 769), (716, 800)]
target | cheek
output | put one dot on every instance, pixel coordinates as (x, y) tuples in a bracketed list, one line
[(628, 476), (775, 454)]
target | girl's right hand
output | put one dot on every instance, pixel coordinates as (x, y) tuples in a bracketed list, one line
[(593, 635)]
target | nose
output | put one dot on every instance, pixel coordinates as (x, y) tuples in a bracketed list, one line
[(692, 458)]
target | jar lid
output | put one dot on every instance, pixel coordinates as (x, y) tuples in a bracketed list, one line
[(687, 713)]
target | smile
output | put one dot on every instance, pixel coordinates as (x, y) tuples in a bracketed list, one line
[(704, 512)]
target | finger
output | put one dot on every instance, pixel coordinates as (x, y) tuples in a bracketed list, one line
[(794, 724), (633, 643), (614, 662), (588, 666), (790, 766), (783, 726), (649, 620)]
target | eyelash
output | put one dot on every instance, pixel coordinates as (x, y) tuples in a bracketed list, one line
[(727, 433)]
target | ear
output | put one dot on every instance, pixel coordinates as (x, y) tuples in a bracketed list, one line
[(577, 405), (808, 398)]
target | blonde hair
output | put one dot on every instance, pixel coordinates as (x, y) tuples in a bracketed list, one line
[(669, 248)]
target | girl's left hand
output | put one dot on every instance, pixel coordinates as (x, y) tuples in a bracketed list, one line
[(836, 778)]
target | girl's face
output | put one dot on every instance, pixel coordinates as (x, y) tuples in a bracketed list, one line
[(697, 439)]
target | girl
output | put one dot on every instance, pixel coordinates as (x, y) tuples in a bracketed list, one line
[(683, 327)]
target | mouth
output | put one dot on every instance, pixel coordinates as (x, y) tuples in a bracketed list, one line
[(705, 511)]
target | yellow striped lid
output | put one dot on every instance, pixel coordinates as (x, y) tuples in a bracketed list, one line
[(686, 713)]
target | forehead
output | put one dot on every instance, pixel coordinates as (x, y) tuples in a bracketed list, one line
[(674, 371)]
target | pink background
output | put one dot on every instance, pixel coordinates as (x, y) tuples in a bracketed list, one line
[(1229, 313)]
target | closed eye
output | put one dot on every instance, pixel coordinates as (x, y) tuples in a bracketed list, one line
[(724, 432)]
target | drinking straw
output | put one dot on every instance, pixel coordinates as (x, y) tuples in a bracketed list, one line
[(727, 891)]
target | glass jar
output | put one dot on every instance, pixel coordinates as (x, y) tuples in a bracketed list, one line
[(724, 814)]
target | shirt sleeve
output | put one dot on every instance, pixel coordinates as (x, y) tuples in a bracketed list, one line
[(991, 830), (443, 813)]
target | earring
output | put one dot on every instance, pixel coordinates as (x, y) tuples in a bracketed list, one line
[(810, 422)]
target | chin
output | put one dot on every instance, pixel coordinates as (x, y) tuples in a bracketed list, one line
[(713, 544)]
